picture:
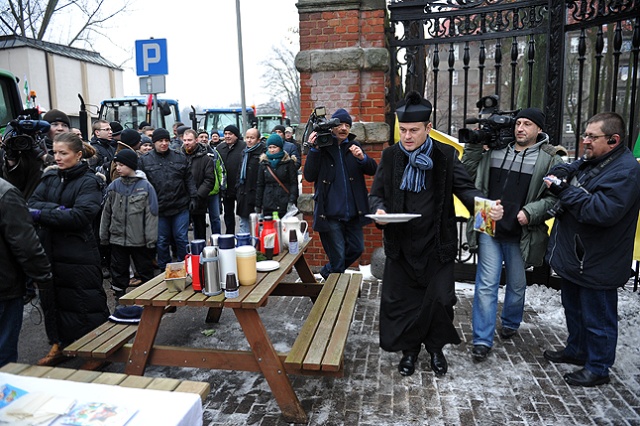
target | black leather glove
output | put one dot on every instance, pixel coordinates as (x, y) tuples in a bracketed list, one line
[(193, 205), (557, 189), (561, 171)]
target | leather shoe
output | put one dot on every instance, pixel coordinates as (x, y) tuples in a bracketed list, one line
[(438, 363), (584, 377), (407, 365), (507, 332), (480, 352), (561, 358)]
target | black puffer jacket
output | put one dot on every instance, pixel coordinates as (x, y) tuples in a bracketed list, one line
[(246, 192), (270, 195), (68, 239), (232, 158), (171, 178), (203, 171), (20, 250)]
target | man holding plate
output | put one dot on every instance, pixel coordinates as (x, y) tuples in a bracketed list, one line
[(419, 175)]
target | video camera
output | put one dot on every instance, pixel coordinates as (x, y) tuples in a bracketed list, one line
[(23, 134), (319, 123), (496, 131)]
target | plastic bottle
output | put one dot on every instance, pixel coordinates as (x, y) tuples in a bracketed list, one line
[(293, 242)]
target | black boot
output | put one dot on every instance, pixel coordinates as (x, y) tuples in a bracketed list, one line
[(407, 364), (438, 363)]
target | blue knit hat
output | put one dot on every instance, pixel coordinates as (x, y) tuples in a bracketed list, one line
[(343, 116), (275, 139)]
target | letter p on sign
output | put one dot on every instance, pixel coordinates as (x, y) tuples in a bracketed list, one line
[(151, 57)]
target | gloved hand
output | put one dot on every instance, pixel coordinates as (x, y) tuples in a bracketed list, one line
[(35, 214), (257, 209), (561, 171), (193, 204), (62, 208), (556, 189)]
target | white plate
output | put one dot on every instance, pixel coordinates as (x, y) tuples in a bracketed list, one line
[(267, 265), (393, 217)]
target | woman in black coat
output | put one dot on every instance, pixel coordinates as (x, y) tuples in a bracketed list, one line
[(271, 195), (64, 205)]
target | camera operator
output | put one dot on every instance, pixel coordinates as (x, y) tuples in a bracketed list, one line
[(60, 123), (337, 169), (591, 245), (514, 175)]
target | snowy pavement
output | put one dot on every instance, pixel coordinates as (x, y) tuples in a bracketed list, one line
[(514, 386)]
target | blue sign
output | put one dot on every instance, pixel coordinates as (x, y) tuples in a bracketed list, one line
[(151, 57)]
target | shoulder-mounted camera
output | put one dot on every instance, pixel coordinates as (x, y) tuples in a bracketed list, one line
[(23, 134), (495, 131), (319, 123)]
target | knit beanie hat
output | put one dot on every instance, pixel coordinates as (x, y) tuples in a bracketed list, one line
[(54, 115), (160, 134), (130, 137), (343, 116), (534, 114), (275, 139), (116, 128), (128, 157), (233, 129), (278, 127), (180, 130)]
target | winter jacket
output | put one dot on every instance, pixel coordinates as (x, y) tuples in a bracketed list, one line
[(333, 169), (270, 196), (21, 253), (246, 192), (105, 152), (171, 178), (232, 158), (130, 214), (203, 171), (450, 178), (534, 236), (220, 172), (592, 238), (70, 200)]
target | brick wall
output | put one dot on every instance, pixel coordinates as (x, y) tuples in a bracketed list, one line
[(343, 63)]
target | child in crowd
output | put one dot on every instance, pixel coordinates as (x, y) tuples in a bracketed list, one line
[(130, 222)]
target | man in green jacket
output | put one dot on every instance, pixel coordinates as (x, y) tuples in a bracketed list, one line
[(514, 175)]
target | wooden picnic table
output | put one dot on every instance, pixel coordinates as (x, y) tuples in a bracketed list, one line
[(318, 350)]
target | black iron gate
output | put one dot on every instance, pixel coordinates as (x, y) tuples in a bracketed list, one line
[(570, 58)]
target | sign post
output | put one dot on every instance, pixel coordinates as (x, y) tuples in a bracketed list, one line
[(152, 65)]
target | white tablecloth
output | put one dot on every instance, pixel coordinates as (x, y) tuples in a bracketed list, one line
[(154, 407)]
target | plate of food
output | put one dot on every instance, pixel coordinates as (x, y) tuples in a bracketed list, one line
[(267, 265), (393, 217)]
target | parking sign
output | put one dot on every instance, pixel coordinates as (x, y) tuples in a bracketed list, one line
[(151, 57)]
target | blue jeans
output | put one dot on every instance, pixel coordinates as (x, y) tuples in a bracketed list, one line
[(592, 322), (178, 227), (245, 225), (343, 244), (491, 255), (213, 205), (11, 320)]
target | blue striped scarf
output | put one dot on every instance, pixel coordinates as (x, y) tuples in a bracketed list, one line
[(413, 178)]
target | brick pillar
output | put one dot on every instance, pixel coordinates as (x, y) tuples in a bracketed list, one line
[(343, 63)]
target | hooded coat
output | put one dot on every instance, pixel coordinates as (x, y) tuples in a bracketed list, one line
[(70, 201)]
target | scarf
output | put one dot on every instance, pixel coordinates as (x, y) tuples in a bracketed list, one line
[(274, 159), (413, 178), (245, 159)]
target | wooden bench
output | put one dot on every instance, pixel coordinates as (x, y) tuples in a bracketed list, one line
[(103, 341), (322, 339), (115, 379)]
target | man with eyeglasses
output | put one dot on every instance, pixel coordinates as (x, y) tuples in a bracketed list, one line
[(513, 175), (591, 245), (341, 196), (101, 141)]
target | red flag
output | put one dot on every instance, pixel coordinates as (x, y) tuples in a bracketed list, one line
[(255, 111), (150, 102), (283, 111)]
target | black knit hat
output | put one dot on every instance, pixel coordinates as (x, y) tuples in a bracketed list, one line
[(279, 127), (342, 115), (116, 128), (160, 134), (54, 115), (534, 114), (415, 109), (130, 137), (128, 157), (233, 129)]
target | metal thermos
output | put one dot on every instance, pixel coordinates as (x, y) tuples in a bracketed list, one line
[(255, 220), (210, 272)]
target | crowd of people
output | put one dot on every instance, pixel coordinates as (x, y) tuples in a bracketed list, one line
[(120, 206)]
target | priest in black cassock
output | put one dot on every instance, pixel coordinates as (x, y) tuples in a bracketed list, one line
[(420, 175)]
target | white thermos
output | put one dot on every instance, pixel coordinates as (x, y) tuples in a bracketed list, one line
[(227, 257)]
